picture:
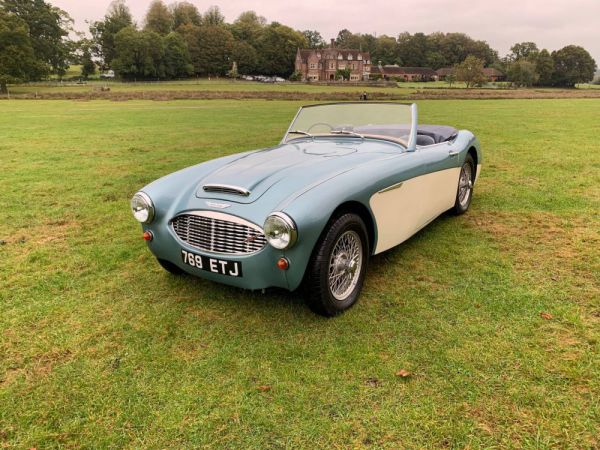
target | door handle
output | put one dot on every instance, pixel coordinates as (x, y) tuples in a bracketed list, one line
[(452, 153)]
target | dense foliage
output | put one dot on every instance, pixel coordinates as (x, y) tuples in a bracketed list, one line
[(177, 40)]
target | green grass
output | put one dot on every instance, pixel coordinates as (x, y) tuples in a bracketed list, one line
[(100, 348)]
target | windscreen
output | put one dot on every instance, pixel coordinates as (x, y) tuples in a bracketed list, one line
[(386, 120)]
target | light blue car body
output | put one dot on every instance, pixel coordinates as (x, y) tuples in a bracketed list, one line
[(308, 179)]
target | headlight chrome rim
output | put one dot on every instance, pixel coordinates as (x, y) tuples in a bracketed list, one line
[(291, 229), (149, 207)]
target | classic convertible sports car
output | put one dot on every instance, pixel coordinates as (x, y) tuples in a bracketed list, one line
[(348, 180)]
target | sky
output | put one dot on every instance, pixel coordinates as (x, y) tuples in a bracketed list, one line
[(551, 24)]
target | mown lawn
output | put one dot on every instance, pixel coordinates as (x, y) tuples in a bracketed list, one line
[(494, 314)]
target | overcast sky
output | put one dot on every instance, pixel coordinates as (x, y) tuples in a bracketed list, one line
[(552, 24)]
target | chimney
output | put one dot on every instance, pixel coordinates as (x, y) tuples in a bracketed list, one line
[(332, 43)]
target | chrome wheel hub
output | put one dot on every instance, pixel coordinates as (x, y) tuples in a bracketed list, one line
[(344, 265), (465, 184)]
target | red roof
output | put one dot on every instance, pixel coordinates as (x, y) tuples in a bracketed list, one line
[(397, 70)]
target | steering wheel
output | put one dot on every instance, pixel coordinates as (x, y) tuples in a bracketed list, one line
[(320, 123)]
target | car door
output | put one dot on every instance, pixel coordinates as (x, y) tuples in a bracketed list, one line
[(425, 187), (437, 189)]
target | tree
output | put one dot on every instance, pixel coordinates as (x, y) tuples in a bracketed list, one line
[(470, 71), (248, 27), (277, 48), (184, 13), (177, 61), (210, 48), (48, 28), (451, 78), (314, 39), (213, 17), (523, 50), (159, 18), (386, 50), (544, 66), (140, 54), (572, 65), (88, 67), (246, 57), (17, 59), (103, 32), (522, 73)]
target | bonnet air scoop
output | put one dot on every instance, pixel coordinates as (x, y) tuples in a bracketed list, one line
[(226, 189)]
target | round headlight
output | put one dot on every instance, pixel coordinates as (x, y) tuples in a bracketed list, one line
[(280, 230), (142, 208)]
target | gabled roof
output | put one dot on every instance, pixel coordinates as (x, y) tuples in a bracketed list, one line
[(488, 71), (398, 70), (333, 53), (492, 72)]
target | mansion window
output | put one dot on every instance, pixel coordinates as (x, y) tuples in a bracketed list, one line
[(332, 65), (313, 66), (349, 56), (340, 56)]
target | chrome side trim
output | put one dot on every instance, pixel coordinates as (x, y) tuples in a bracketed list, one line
[(391, 188), (226, 188)]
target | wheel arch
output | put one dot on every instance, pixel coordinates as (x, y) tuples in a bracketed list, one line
[(355, 207), (473, 152)]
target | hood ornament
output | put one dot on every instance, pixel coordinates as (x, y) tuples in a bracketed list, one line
[(218, 205)]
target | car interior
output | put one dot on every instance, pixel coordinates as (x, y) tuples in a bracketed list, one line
[(426, 134)]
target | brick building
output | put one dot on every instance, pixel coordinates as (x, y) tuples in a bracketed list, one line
[(390, 72), (323, 63), (491, 73)]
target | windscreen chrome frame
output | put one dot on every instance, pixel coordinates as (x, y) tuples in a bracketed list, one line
[(412, 143)]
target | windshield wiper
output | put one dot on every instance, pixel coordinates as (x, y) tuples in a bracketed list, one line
[(305, 133), (348, 132)]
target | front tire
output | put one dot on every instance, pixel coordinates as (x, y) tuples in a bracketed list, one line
[(336, 272), (464, 192)]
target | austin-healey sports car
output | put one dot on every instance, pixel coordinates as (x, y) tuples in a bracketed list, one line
[(348, 180)]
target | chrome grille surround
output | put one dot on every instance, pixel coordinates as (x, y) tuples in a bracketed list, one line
[(216, 232)]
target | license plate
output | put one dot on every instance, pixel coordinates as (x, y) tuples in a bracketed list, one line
[(214, 265)]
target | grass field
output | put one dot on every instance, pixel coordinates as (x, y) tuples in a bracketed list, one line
[(229, 89), (494, 314)]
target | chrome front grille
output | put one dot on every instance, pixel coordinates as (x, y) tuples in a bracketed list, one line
[(219, 233)]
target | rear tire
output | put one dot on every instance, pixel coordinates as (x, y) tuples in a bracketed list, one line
[(464, 191), (170, 267), (336, 271)]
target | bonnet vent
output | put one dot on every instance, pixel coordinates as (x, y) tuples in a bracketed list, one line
[(226, 189)]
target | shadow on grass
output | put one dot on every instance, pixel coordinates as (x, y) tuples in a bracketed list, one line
[(279, 300)]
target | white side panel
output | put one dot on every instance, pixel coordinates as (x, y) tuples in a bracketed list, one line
[(402, 210)]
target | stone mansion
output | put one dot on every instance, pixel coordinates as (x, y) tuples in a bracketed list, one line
[(321, 64)]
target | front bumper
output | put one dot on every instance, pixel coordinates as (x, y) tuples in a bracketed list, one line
[(260, 269)]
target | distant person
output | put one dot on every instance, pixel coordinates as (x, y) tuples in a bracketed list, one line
[(364, 96)]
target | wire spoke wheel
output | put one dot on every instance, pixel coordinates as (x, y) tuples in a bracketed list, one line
[(345, 265), (465, 184)]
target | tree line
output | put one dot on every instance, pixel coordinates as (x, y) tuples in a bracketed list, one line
[(179, 41)]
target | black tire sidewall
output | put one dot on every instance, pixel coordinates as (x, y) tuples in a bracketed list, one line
[(320, 298)]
